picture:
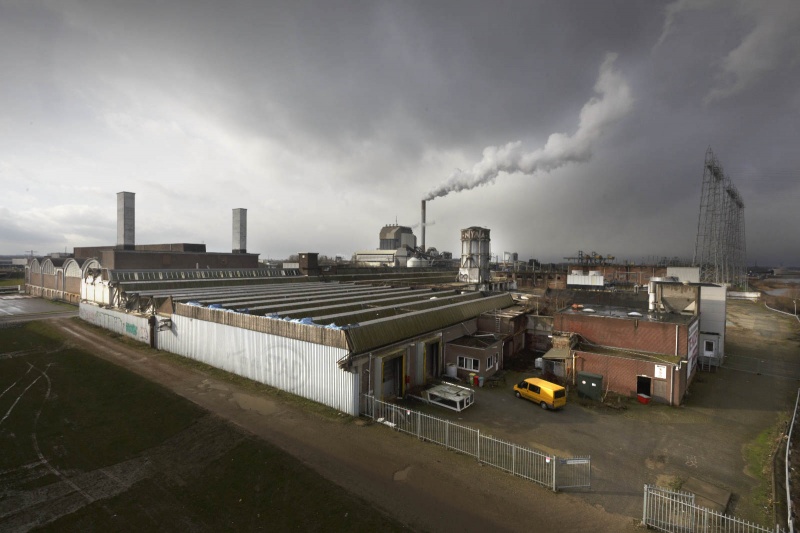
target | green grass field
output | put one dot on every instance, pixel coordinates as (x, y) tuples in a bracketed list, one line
[(88, 446)]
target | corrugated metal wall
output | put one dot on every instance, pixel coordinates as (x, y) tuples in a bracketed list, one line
[(95, 291), (302, 332), (302, 368), (135, 327)]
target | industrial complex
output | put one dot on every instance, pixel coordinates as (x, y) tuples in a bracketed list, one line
[(398, 318)]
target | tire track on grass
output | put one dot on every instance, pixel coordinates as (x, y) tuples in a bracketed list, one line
[(21, 394)]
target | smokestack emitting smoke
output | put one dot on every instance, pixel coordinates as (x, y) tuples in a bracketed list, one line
[(614, 102), (422, 223)]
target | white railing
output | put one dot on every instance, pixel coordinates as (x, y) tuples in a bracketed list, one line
[(676, 511), (546, 469), (787, 468)]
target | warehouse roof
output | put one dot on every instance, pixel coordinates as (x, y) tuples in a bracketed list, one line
[(626, 313), (381, 332)]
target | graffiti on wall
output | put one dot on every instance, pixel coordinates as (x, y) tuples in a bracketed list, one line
[(135, 327)]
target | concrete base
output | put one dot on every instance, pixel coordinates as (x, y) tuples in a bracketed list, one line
[(707, 495)]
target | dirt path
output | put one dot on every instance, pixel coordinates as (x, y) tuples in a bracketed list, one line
[(420, 484)]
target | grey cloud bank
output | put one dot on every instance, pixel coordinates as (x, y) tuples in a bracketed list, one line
[(327, 120)]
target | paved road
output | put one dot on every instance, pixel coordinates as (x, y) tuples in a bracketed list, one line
[(23, 308), (705, 438)]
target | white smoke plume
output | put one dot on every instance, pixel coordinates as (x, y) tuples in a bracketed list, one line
[(614, 102)]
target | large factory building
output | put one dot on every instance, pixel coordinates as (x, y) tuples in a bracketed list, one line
[(329, 340)]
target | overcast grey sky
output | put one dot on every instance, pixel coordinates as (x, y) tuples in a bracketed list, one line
[(560, 125)]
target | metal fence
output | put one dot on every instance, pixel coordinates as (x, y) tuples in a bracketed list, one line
[(546, 469), (676, 511), (788, 467)]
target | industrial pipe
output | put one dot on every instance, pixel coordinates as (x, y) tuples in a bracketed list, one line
[(676, 340)]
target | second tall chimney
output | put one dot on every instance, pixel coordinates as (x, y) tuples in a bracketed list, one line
[(240, 231), (422, 225), (126, 220)]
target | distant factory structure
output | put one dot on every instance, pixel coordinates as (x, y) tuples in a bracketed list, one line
[(475, 256), (397, 247)]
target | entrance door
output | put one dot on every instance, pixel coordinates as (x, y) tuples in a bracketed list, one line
[(392, 378), (432, 369), (643, 385)]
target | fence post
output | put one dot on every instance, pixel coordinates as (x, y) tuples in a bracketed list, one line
[(371, 401), (705, 519), (479, 445), (447, 436), (644, 509), (590, 471), (514, 459), (555, 460), (419, 425)]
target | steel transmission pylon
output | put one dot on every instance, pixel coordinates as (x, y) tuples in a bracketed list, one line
[(719, 250)]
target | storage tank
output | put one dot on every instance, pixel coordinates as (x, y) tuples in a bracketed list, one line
[(475, 255), (416, 262), (651, 293)]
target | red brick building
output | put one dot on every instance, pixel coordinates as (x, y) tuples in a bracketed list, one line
[(637, 352)]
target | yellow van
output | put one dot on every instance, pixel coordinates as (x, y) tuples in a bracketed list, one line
[(547, 395)]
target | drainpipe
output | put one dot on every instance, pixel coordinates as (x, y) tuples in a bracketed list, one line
[(574, 370), (672, 385), (370, 390), (676, 340), (151, 321), (440, 364)]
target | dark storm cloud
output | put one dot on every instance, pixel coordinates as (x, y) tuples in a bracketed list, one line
[(353, 111)]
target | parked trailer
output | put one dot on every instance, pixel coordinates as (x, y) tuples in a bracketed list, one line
[(448, 395)]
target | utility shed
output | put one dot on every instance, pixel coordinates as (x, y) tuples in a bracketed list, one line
[(481, 355)]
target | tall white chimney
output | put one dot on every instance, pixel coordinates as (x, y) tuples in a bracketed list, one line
[(126, 220), (240, 231), (422, 225)]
